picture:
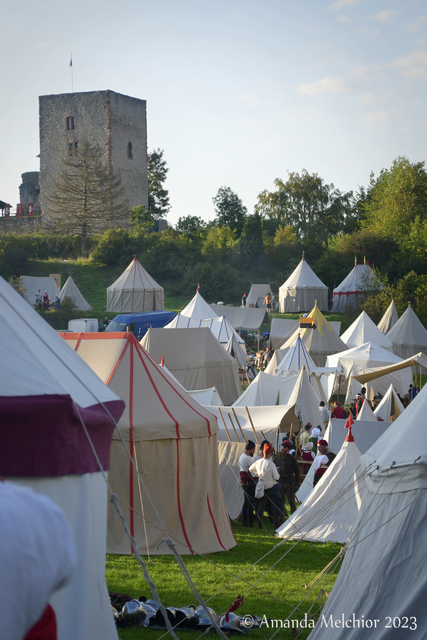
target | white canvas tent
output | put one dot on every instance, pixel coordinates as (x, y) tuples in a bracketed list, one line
[(196, 359), (241, 318), (319, 342), (135, 291), (172, 440), (408, 336), (257, 295), (355, 288), (254, 423), (234, 348), (198, 308), (220, 328), (301, 290), (390, 407), (32, 284), (207, 396), (362, 330), (383, 573), (266, 389), (389, 318), (70, 290), (330, 512), (47, 391), (366, 414)]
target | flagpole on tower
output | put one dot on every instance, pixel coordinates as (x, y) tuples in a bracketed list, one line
[(71, 69)]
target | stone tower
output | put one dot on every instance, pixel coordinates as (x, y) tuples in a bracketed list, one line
[(114, 122)]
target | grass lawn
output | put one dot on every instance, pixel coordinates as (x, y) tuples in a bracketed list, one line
[(273, 587)]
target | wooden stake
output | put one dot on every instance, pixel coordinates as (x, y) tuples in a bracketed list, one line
[(225, 426), (234, 428), (252, 425), (238, 424)]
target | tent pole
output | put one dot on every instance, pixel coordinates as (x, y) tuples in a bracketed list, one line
[(238, 424), (234, 428), (292, 422), (252, 425), (225, 426)]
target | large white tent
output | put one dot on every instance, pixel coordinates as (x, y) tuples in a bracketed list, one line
[(198, 308), (172, 441), (135, 291), (366, 414), (383, 574), (196, 359), (240, 318), (47, 394), (31, 285), (355, 288), (389, 318), (362, 330), (300, 291), (320, 341), (330, 511), (390, 407), (71, 290), (257, 295), (408, 336), (220, 328)]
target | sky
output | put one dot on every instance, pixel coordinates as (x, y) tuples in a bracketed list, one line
[(239, 92)]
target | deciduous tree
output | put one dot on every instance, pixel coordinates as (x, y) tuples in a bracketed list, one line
[(158, 196), (230, 210)]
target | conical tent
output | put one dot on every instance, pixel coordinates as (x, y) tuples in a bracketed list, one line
[(390, 407), (301, 290), (196, 359), (47, 394), (364, 330), (135, 291), (355, 288), (31, 285), (319, 342), (383, 575), (389, 319), (172, 440), (198, 308), (257, 295), (267, 390), (70, 290), (220, 328), (366, 414), (306, 398), (408, 336), (295, 359), (234, 348), (330, 511)]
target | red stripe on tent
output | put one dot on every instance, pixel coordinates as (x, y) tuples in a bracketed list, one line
[(113, 335), (168, 380), (214, 524), (179, 500), (119, 359), (131, 461)]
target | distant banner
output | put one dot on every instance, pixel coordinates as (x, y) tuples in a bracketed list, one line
[(31, 208), (19, 210), (7, 211)]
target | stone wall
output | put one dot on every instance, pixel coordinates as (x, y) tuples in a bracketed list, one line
[(19, 226)]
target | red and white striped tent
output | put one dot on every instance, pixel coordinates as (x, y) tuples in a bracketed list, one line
[(135, 291), (173, 442)]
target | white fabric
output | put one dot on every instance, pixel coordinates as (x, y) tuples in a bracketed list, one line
[(280, 330), (364, 330), (301, 290), (241, 318), (330, 512), (265, 470), (37, 557), (135, 291), (306, 399), (390, 407), (366, 414), (295, 358), (220, 328), (389, 319), (228, 455), (383, 573), (245, 462), (196, 359), (324, 414), (236, 350), (198, 308), (355, 288), (408, 336), (32, 284), (319, 342), (267, 422), (267, 390), (206, 396), (82, 607), (70, 290), (257, 295)]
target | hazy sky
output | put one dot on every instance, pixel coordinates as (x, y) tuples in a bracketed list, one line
[(239, 92)]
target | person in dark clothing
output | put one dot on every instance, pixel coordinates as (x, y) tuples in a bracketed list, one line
[(289, 475), (338, 411), (248, 484)]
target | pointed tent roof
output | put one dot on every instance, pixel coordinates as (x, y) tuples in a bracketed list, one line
[(390, 407), (257, 295), (366, 414), (354, 288), (301, 289), (70, 290), (319, 342), (389, 319), (160, 422), (220, 327), (267, 390), (135, 291), (362, 330), (233, 347), (330, 511), (198, 308), (296, 358), (408, 336), (306, 399)]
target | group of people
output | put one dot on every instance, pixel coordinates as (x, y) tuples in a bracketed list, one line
[(267, 480), (42, 301), (268, 301)]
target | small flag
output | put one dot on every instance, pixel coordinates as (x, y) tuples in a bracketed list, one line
[(162, 364), (71, 61), (198, 287), (349, 422)]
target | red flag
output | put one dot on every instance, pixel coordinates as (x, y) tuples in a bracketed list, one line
[(348, 422), (162, 364), (198, 287)]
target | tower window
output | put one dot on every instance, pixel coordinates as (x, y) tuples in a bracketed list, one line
[(71, 124), (72, 147), (130, 153)]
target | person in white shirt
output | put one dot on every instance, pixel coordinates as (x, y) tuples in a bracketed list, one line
[(268, 487), (324, 414), (248, 483)]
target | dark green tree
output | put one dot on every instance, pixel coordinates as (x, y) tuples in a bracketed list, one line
[(87, 198), (229, 209), (251, 243), (158, 197), (141, 219), (190, 225)]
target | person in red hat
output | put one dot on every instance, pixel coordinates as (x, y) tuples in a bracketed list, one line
[(267, 487), (338, 411), (323, 460)]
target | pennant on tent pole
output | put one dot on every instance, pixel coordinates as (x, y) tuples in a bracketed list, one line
[(197, 288)]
